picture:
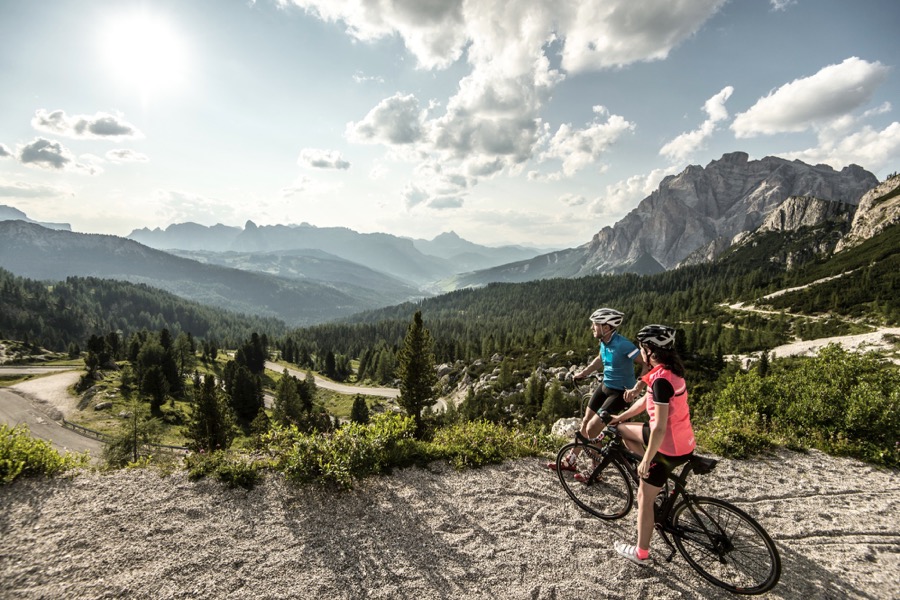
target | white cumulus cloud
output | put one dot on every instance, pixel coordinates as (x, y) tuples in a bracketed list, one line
[(814, 101), (98, 126), (687, 143), (313, 158)]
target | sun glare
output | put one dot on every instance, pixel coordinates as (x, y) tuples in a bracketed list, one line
[(144, 52)]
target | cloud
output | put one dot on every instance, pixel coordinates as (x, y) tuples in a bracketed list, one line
[(394, 121), (435, 187), (312, 158), (578, 148), (5, 152), (622, 196), (360, 78), (125, 155), (782, 4), (176, 206), (813, 101), (573, 200), (874, 149), (99, 126), (46, 154), (493, 123), (433, 32), (680, 148), (603, 34), (21, 189)]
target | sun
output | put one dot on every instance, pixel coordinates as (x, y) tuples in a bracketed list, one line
[(144, 52)]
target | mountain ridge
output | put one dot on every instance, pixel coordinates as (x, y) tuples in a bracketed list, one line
[(698, 207)]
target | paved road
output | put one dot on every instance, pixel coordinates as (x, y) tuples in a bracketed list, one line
[(15, 409), (337, 387), (33, 369), (390, 393)]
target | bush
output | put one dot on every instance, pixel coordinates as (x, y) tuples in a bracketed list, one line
[(24, 456), (734, 434), (350, 453), (477, 443), (232, 469), (839, 402)]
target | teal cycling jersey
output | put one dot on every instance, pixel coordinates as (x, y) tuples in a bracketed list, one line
[(618, 362)]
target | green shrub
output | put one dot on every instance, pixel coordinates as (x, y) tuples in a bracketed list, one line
[(839, 402), (235, 470), (734, 434), (477, 443), (24, 456), (350, 453)]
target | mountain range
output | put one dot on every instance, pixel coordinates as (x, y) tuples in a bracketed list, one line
[(698, 208), (305, 274), (418, 262)]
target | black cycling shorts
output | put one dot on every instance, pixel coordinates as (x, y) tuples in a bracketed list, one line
[(608, 399), (663, 464)]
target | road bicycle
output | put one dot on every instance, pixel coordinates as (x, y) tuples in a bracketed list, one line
[(721, 542)]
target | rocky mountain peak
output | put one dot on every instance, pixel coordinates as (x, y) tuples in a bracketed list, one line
[(701, 204), (878, 209), (805, 211)]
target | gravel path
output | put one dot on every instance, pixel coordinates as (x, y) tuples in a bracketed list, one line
[(504, 531)]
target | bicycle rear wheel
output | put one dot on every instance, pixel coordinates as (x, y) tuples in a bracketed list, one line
[(604, 491), (726, 545)]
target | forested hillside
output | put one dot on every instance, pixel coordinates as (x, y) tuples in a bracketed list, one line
[(551, 315), (59, 314)]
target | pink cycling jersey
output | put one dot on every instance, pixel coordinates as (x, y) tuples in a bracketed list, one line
[(679, 438)]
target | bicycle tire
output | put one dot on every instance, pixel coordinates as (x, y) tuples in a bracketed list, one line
[(737, 554), (606, 494)]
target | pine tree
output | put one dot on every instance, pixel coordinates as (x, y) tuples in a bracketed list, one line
[(133, 437), (288, 406), (415, 368), (211, 424), (359, 413)]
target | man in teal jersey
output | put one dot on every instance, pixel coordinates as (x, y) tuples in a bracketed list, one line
[(617, 358)]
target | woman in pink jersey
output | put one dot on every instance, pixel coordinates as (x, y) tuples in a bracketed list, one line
[(667, 440)]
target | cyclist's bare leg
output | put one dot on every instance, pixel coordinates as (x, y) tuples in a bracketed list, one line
[(645, 520), (591, 426), (633, 436), (590, 422)]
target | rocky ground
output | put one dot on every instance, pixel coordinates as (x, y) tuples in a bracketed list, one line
[(505, 531)]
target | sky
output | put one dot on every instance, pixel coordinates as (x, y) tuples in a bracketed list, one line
[(525, 122)]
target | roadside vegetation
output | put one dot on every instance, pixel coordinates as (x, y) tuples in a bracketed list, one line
[(506, 346)]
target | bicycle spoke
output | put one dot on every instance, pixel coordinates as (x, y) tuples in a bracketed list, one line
[(598, 485), (726, 546)]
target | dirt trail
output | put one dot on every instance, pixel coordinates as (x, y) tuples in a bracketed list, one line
[(506, 531)]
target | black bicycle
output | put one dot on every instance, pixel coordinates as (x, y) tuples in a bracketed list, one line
[(720, 541)]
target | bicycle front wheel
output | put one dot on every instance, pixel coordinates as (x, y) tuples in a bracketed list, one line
[(726, 545), (598, 485)]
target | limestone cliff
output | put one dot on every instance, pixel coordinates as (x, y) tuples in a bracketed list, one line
[(878, 209), (697, 207)]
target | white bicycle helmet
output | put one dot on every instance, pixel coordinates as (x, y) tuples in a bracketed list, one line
[(607, 316), (661, 336)]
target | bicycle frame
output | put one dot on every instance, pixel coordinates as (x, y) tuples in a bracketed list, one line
[(670, 494), (722, 543)]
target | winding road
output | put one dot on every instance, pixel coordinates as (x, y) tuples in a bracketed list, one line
[(41, 403), (336, 387)]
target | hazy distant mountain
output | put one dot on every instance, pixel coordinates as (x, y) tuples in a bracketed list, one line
[(8, 213), (420, 262), (468, 256), (29, 250), (689, 211), (312, 265), (188, 236)]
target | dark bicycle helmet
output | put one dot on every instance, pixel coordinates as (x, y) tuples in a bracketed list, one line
[(607, 316), (661, 336)]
